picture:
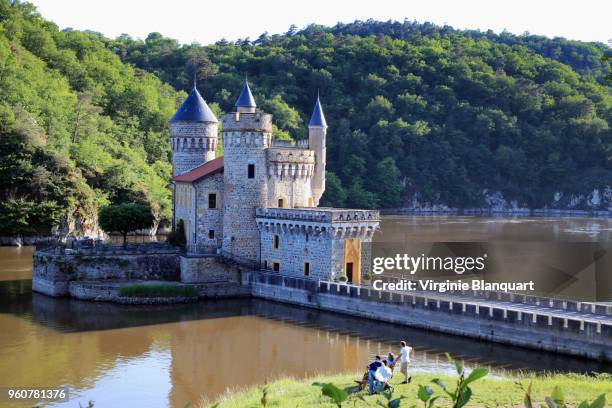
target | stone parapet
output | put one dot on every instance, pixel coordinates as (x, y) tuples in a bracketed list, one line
[(244, 122), (334, 223), (290, 162)]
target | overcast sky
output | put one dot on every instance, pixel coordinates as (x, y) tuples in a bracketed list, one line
[(208, 21)]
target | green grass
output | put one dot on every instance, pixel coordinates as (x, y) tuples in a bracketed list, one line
[(488, 392), (157, 290)]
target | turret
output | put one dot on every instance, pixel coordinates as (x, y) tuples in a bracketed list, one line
[(193, 134), (317, 131), (245, 102)]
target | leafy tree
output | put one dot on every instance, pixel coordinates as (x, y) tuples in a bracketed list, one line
[(334, 195), (125, 218), (358, 197), (386, 181)]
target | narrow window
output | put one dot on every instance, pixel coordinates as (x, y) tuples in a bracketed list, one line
[(306, 268), (276, 242), (275, 266), (281, 203), (265, 264), (251, 171), (211, 234), (212, 200)]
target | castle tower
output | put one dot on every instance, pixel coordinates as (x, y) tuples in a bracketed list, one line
[(193, 134), (246, 136), (317, 131)]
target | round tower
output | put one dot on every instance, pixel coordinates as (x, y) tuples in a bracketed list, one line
[(317, 132), (246, 136), (193, 134)]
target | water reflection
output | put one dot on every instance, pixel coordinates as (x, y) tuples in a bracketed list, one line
[(169, 355)]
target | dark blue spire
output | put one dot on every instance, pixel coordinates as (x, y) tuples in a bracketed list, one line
[(194, 109), (317, 118), (246, 100)]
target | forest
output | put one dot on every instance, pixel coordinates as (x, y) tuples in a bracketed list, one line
[(418, 114)]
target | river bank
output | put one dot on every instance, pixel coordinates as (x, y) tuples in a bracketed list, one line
[(498, 212), (487, 392)]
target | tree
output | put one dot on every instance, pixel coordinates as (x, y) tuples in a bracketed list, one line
[(334, 195), (125, 218), (386, 180), (358, 197)]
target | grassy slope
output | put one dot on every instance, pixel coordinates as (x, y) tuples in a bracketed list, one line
[(488, 392)]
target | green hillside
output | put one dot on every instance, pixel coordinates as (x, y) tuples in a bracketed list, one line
[(418, 114), (78, 128), (421, 113)]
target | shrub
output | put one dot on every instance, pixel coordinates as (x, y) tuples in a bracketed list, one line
[(343, 278), (176, 237)]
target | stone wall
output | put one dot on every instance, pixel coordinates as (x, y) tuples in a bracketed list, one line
[(295, 248), (208, 268), (572, 337), (52, 273), (184, 209), (209, 218)]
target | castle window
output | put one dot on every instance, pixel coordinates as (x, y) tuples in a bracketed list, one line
[(281, 203), (251, 171), (211, 234), (275, 266), (276, 241), (306, 268), (212, 200)]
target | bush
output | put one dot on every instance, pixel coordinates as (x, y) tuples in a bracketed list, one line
[(367, 277), (157, 290), (176, 237), (343, 278)]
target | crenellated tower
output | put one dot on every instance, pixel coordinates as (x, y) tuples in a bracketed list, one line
[(246, 136), (317, 132), (193, 134)]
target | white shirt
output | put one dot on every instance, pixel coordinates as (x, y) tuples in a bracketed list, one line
[(404, 356), (383, 373)]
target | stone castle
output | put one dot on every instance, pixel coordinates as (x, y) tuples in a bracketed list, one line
[(258, 203)]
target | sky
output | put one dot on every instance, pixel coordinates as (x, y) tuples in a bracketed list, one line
[(206, 22)]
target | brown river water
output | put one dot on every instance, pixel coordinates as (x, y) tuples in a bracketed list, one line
[(166, 356)]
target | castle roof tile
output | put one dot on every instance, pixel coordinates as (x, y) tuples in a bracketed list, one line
[(317, 118), (207, 169), (246, 100), (194, 109)]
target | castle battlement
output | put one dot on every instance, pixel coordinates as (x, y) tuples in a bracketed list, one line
[(290, 162), (332, 222), (245, 122)]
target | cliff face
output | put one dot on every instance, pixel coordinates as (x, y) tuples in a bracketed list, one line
[(598, 200)]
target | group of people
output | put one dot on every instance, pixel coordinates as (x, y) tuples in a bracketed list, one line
[(380, 371)]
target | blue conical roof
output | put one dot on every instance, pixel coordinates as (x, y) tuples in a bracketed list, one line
[(246, 100), (317, 118), (194, 109)]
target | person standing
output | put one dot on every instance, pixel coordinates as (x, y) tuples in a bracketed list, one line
[(404, 359), (374, 365)]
